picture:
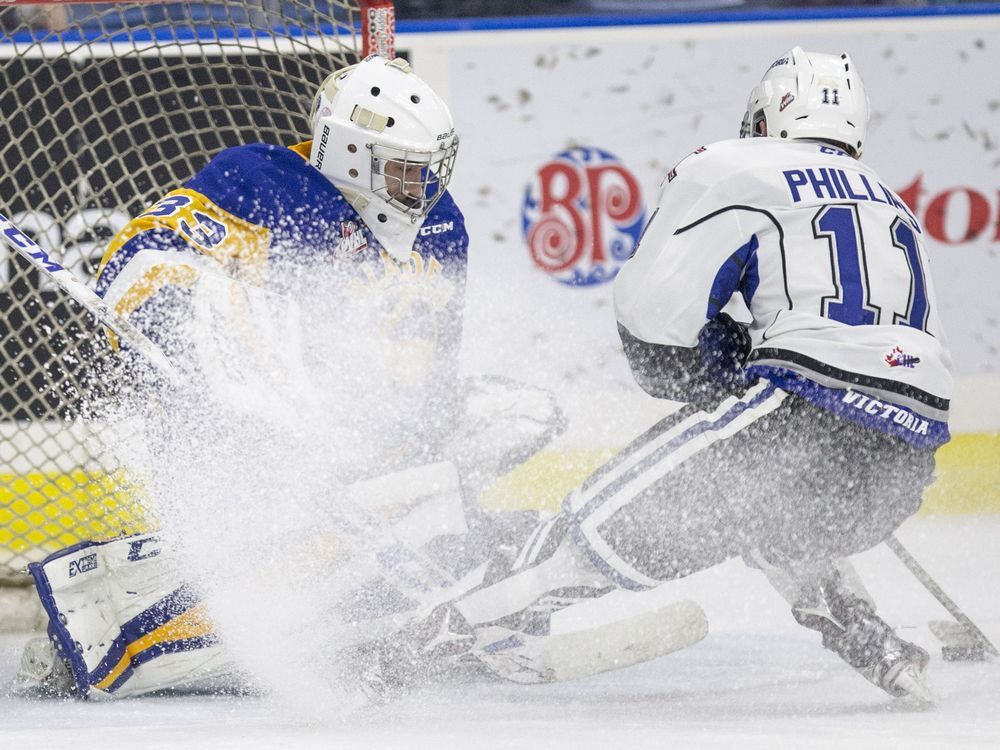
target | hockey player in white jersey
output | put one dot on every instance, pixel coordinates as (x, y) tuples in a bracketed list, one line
[(782, 291)]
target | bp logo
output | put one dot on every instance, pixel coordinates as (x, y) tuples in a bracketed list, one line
[(582, 216)]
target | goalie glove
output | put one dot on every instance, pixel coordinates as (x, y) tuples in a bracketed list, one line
[(504, 424)]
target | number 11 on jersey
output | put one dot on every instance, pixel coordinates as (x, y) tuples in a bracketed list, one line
[(840, 226)]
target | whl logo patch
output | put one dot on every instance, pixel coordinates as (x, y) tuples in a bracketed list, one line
[(897, 358), (352, 240)]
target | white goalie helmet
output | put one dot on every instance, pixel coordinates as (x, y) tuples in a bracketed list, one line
[(810, 95), (387, 141)]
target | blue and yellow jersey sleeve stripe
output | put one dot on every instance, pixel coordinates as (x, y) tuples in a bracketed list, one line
[(176, 236)]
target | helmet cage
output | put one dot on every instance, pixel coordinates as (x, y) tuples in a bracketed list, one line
[(411, 181), (387, 141), (754, 125)]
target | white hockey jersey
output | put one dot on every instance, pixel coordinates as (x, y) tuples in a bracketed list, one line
[(828, 260)]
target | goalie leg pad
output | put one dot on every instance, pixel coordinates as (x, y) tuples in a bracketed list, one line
[(125, 620)]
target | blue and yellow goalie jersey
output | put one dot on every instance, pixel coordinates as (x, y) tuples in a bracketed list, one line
[(258, 207)]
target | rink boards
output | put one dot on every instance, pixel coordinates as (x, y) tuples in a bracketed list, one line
[(53, 509)]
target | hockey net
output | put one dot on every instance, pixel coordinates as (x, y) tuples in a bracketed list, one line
[(105, 107)]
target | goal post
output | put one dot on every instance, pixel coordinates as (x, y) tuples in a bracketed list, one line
[(105, 107)]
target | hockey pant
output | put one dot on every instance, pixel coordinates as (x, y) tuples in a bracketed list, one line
[(765, 473)]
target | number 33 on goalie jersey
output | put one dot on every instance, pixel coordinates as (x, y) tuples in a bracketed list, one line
[(829, 262), (258, 205)]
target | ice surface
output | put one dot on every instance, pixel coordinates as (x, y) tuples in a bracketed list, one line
[(757, 681)]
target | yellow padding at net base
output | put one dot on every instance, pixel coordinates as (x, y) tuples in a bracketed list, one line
[(47, 511), (44, 512), (968, 470)]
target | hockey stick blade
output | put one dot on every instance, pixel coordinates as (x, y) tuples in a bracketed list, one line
[(555, 657), (957, 643), (624, 643), (972, 633)]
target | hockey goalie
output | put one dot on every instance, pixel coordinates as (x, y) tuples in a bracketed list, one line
[(311, 298)]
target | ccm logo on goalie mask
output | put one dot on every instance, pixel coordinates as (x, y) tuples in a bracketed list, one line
[(84, 564), (441, 228)]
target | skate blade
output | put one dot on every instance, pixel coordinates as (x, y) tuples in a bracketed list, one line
[(912, 681)]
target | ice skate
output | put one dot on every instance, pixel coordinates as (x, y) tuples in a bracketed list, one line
[(853, 631), (43, 673), (423, 651)]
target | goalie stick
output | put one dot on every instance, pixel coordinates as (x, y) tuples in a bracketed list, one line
[(634, 639)]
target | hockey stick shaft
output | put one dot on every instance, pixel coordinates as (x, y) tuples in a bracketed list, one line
[(937, 592), (42, 260)]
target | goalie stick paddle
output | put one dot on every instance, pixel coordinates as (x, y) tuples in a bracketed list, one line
[(555, 657), (938, 593), (42, 260), (624, 643)]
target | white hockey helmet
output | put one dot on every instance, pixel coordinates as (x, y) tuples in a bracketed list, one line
[(810, 95), (387, 141)]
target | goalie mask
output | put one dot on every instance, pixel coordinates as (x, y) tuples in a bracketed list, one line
[(387, 141), (810, 95)]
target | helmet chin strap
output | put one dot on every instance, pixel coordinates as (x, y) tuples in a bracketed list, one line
[(394, 230)]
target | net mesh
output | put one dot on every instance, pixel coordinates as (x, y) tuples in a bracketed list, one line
[(106, 107)]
